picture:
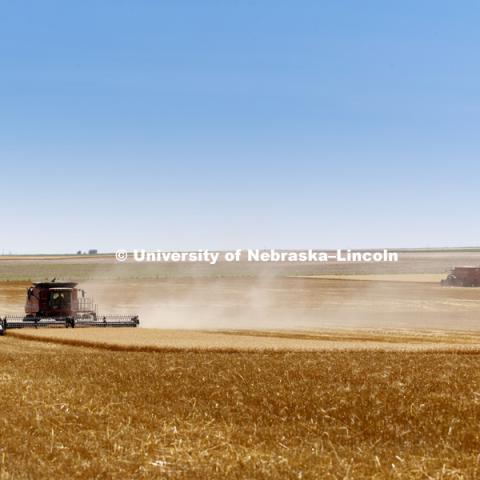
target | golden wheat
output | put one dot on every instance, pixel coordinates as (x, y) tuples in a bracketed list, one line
[(70, 412)]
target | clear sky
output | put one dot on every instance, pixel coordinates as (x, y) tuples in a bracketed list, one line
[(225, 124)]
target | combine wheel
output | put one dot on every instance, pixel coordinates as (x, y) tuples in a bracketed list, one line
[(450, 281)]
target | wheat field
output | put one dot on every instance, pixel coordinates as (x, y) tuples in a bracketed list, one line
[(301, 378), (76, 412)]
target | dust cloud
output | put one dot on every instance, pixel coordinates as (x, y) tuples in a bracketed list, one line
[(270, 302)]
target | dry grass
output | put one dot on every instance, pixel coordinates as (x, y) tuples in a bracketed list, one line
[(84, 413)]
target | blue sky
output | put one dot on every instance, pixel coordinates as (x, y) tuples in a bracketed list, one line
[(226, 124)]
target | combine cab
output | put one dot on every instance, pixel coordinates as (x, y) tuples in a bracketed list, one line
[(463, 277), (62, 304)]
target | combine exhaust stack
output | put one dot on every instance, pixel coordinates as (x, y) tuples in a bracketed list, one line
[(54, 304)]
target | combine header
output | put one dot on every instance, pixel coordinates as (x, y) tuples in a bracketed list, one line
[(62, 304)]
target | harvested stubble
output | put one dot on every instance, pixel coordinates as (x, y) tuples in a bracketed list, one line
[(159, 340), (70, 412)]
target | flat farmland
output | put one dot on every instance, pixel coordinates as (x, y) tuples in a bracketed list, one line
[(84, 268), (336, 375)]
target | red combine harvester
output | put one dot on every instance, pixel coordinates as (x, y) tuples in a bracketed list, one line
[(62, 304), (463, 277)]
